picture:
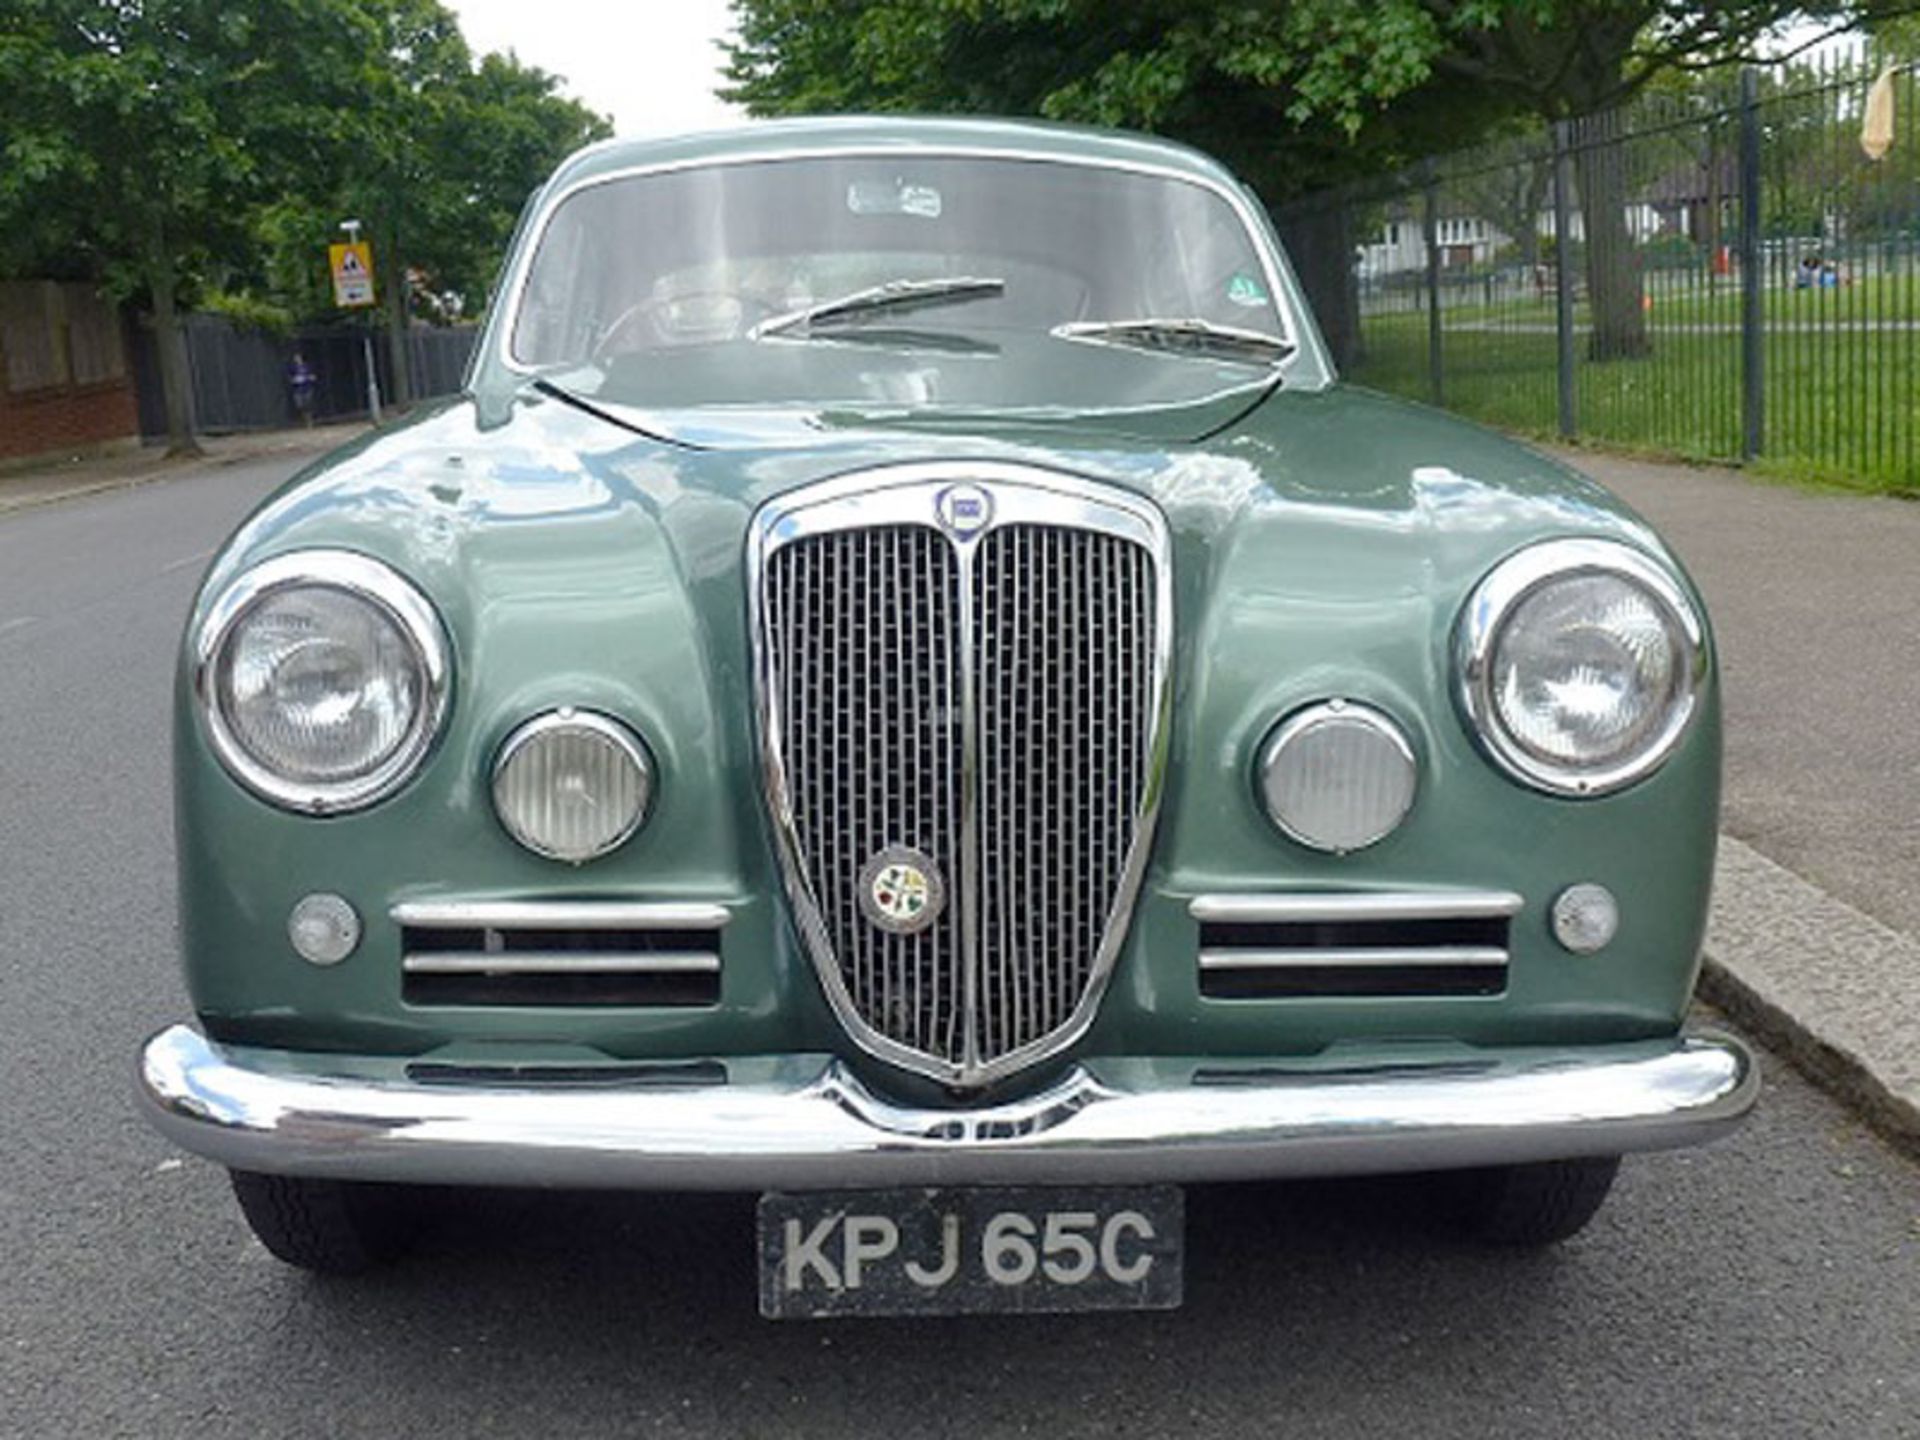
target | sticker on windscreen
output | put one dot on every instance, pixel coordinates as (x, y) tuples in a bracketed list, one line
[(893, 197), (1243, 289)]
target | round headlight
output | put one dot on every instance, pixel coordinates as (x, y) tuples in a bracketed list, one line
[(322, 676), (572, 785), (1338, 776), (1580, 665)]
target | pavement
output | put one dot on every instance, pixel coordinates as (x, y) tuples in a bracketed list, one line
[(1768, 1285), (1814, 597), (25, 485)]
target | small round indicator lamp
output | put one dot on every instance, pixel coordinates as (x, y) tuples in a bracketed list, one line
[(324, 928), (1585, 918)]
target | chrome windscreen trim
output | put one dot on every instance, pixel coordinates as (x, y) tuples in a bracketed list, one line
[(1357, 958), (906, 494), (558, 915), (1307, 909), (807, 1122), (560, 962)]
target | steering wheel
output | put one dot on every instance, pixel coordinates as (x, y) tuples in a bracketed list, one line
[(656, 313)]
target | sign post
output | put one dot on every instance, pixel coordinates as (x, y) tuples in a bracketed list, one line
[(352, 266)]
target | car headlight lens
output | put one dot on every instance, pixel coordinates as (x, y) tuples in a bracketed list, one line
[(572, 785), (1338, 776), (323, 680), (1580, 665)]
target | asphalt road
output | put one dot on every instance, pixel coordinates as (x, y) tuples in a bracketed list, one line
[(1769, 1285)]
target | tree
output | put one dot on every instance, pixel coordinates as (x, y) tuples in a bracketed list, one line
[(1293, 95), (434, 152), (138, 136), (502, 135), (407, 87), (159, 145), (1296, 94), (1510, 190)]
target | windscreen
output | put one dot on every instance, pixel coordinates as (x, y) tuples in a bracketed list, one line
[(728, 255)]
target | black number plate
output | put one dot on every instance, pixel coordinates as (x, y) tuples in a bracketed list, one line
[(945, 1252)]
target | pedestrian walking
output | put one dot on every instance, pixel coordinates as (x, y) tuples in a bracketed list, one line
[(301, 381)]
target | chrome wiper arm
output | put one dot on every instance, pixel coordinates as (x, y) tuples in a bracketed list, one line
[(590, 404), (893, 295), (1189, 335)]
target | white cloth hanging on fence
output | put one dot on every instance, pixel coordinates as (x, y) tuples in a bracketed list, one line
[(1876, 126)]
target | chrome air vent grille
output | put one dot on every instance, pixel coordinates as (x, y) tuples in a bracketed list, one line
[(962, 677), (559, 953), (1268, 947)]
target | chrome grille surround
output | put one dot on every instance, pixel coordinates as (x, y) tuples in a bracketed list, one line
[(984, 991)]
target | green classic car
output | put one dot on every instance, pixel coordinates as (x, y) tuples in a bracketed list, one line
[(906, 684)]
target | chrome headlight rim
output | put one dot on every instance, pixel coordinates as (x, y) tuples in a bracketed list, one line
[(1517, 579), (363, 578), (1303, 720), (617, 732)]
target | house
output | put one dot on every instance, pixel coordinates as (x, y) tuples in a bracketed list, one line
[(1402, 247), (1695, 198)]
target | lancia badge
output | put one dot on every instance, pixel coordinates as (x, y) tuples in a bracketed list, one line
[(963, 510), (901, 891)]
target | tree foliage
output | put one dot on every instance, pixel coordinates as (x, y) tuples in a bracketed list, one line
[(165, 146), (1296, 95)]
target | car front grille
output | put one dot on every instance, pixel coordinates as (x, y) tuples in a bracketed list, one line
[(985, 707), (1065, 656), (866, 622)]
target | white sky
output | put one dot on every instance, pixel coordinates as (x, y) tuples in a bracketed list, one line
[(650, 64)]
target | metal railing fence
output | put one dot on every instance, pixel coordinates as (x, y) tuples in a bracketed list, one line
[(1717, 271)]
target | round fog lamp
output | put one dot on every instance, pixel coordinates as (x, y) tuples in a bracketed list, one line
[(1338, 776), (1585, 918), (323, 928), (572, 785)]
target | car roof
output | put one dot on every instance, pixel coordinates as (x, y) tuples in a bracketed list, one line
[(866, 133)]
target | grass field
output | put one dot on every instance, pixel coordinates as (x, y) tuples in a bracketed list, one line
[(1842, 387), (1687, 298)]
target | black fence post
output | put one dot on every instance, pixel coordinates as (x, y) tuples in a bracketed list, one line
[(1430, 234), (1753, 353), (1562, 288)]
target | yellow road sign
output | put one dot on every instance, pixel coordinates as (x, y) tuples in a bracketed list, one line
[(352, 274)]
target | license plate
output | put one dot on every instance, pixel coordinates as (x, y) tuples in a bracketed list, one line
[(946, 1252)]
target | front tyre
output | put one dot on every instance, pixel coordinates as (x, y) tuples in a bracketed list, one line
[(333, 1227), (1528, 1206)]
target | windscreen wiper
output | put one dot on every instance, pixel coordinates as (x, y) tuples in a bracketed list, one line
[(589, 402), (896, 295), (1189, 336), (899, 338)]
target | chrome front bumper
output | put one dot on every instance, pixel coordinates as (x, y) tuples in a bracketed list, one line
[(807, 1122)]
